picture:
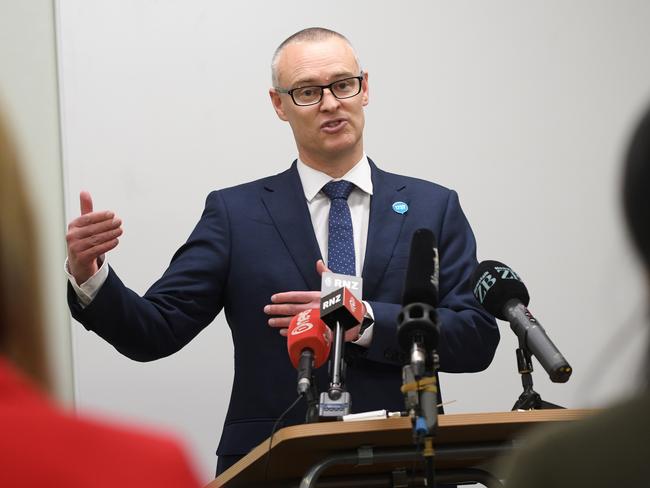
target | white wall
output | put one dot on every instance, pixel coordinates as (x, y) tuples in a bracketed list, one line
[(29, 100), (523, 107)]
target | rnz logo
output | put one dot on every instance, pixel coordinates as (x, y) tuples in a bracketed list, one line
[(350, 285), (353, 304), (331, 301)]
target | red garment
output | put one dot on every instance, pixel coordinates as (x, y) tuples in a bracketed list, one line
[(43, 446)]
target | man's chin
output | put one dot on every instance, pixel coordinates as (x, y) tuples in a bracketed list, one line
[(340, 145)]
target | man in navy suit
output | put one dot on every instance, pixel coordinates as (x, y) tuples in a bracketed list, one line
[(259, 248)]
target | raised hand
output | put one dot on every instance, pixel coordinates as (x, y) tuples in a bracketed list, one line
[(89, 236)]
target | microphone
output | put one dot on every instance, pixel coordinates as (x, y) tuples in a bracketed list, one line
[(341, 310), (418, 329), (341, 306), (308, 341), (418, 332), (421, 284), (502, 293)]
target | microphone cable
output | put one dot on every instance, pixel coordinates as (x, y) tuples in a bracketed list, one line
[(275, 427)]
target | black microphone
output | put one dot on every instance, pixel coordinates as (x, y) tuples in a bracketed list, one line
[(418, 332), (502, 293), (418, 320)]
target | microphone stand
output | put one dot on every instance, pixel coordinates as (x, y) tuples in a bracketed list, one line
[(311, 397), (421, 392), (419, 328), (529, 399), (335, 402)]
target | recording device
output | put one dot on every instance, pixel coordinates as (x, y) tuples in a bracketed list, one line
[(341, 310), (503, 294), (308, 341)]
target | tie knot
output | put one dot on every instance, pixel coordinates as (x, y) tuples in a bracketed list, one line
[(338, 189)]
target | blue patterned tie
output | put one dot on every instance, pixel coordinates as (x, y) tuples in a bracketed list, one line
[(340, 245)]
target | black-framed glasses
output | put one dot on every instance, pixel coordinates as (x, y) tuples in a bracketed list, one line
[(311, 95)]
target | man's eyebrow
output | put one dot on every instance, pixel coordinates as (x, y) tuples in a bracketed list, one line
[(312, 81)]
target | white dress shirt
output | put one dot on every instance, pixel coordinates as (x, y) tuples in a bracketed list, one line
[(358, 201)]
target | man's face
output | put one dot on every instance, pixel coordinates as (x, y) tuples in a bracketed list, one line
[(332, 129)]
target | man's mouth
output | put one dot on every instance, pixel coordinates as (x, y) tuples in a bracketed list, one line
[(333, 126)]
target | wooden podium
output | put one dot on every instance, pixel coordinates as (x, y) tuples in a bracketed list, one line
[(462, 443)]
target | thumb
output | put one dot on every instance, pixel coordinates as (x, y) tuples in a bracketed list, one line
[(321, 268), (85, 202)]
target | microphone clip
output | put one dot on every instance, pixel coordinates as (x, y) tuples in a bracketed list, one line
[(418, 333)]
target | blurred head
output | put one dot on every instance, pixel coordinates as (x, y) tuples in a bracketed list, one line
[(636, 186), (21, 328), (636, 182), (329, 131)]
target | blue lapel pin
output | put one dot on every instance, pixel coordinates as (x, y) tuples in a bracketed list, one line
[(400, 207)]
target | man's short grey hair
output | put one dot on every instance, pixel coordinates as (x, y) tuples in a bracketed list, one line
[(311, 34)]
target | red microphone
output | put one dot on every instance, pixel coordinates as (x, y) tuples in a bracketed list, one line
[(308, 341)]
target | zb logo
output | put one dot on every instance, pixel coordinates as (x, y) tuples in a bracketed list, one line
[(486, 282), (506, 273)]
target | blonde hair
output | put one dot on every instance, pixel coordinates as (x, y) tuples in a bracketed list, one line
[(21, 319)]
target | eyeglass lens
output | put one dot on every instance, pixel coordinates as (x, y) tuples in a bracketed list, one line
[(310, 95)]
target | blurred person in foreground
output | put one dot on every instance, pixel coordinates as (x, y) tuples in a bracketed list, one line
[(40, 444), (611, 448)]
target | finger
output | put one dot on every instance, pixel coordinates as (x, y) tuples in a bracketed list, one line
[(286, 308), (81, 245), (85, 202), (94, 252), (352, 334), (284, 332), (91, 218), (94, 229), (295, 297), (321, 268), (280, 322)]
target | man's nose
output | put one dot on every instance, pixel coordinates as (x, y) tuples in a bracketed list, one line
[(329, 101)]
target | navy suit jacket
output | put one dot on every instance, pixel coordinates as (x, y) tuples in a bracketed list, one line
[(256, 239)]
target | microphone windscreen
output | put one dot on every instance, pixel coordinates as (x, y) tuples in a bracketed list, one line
[(495, 284), (308, 331), (342, 307), (421, 283)]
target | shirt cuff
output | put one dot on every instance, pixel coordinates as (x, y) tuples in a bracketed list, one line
[(368, 324), (87, 291)]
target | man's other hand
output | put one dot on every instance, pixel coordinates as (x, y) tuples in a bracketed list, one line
[(90, 236), (285, 305)]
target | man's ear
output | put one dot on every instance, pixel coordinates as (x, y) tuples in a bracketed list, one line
[(365, 89), (276, 100)]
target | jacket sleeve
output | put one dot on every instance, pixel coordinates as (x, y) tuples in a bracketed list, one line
[(178, 306)]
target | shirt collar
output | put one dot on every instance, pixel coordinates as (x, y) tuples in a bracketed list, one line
[(313, 180)]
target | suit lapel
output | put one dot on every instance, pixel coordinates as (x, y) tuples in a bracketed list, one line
[(384, 227), (284, 199)]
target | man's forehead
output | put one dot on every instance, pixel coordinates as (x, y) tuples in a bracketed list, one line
[(317, 61)]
